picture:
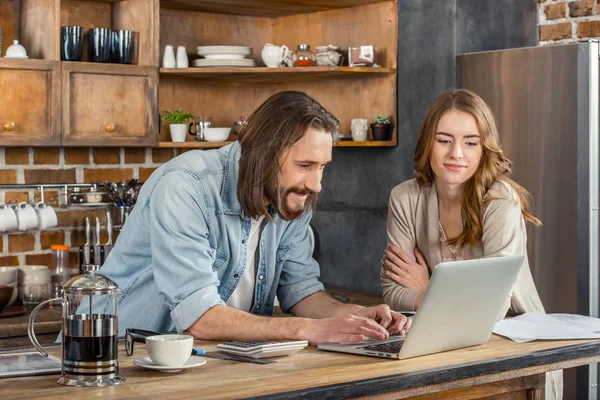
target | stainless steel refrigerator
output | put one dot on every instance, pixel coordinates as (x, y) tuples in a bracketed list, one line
[(545, 100)]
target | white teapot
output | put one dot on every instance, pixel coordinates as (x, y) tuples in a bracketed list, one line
[(272, 55)]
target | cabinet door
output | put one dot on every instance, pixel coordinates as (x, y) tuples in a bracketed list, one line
[(109, 105), (29, 103)]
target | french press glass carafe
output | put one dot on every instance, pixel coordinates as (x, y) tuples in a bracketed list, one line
[(89, 331)]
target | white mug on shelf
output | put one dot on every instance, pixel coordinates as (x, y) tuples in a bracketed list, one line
[(273, 55), (182, 58), (46, 216), (169, 57), (26, 216), (8, 218), (359, 127)]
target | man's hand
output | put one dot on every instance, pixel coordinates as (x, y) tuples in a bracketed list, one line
[(393, 321), (404, 271), (347, 329)]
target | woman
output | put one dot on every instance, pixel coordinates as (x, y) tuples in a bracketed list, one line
[(461, 205)]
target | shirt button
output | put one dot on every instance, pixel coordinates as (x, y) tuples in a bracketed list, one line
[(260, 277), (235, 275), (244, 241)]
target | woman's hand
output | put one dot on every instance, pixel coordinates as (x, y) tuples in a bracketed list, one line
[(404, 271)]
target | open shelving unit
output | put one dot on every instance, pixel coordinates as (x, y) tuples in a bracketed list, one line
[(225, 94)]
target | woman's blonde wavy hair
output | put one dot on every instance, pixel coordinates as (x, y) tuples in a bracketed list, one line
[(492, 168)]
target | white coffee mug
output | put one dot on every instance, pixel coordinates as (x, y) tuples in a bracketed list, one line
[(273, 55), (359, 127), (46, 216), (169, 350), (26, 216), (8, 218)]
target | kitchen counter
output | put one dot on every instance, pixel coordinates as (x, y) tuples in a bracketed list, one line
[(13, 331), (497, 367)]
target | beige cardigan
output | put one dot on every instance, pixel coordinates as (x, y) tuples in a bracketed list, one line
[(413, 221)]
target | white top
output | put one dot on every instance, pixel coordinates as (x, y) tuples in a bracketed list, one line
[(242, 297)]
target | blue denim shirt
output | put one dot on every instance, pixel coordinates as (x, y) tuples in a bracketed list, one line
[(183, 248)]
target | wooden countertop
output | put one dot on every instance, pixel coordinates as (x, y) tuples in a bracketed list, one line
[(319, 374)]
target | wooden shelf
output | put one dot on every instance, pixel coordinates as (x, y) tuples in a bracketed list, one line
[(216, 145), (271, 75), (194, 145), (368, 143), (262, 8)]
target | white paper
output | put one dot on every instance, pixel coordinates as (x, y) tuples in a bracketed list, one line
[(540, 326)]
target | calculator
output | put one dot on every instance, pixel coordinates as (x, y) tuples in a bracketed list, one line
[(263, 348)]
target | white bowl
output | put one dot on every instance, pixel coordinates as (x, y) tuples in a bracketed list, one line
[(216, 134), (9, 275), (169, 350), (14, 295), (33, 274)]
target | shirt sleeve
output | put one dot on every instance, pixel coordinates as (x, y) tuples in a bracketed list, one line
[(504, 234), (300, 272), (181, 253), (399, 232)]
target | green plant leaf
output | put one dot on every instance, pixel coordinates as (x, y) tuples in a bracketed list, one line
[(176, 117)]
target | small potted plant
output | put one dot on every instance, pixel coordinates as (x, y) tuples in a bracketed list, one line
[(178, 126), (381, 127)]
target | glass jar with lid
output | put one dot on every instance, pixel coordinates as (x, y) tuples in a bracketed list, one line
[(303, 56)]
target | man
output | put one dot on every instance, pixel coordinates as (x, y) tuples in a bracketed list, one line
[(216, 235)]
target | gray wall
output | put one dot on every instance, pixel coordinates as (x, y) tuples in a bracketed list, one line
[(352, 211)]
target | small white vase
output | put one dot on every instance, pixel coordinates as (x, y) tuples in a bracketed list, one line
[(178, 132), (182, 58), (169, 57), (359, 129)]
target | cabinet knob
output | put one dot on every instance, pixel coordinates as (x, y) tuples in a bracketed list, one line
[(9, 126), (109, 127)]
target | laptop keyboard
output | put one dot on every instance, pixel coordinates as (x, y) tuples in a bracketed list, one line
[(389, 347)]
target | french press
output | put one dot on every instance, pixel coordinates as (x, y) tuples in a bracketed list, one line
[(89, 330)]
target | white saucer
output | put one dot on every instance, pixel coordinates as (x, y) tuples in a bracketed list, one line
[(192, 362)]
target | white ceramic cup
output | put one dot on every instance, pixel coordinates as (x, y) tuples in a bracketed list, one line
[(273, 55), (8, 218), (46, 216), (26, 217), (169, 350), (360, 128)]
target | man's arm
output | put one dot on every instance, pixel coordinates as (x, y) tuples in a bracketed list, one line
[(319, 319), (227, 323)]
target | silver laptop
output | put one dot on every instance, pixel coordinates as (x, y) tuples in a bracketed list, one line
[(462, 303)]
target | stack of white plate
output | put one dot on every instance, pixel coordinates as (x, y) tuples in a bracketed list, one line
[(224, 56)]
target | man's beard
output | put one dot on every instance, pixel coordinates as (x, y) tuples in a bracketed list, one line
[(278, 199)]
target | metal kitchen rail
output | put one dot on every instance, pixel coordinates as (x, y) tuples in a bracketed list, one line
[(69, 194)]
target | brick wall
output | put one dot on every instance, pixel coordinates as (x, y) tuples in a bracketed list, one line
[(562, 21), (66, 165)]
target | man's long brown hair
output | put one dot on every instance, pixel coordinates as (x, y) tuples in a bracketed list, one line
[(492, 168), (272, 129)]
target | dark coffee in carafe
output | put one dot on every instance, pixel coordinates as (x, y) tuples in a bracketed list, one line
[(90, 349)]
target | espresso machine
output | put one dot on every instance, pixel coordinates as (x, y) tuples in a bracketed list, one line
[(89, 330)]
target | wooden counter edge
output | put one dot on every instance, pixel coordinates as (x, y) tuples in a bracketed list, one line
[(457, 376)]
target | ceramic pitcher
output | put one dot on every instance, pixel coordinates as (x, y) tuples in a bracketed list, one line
[(272, 55)]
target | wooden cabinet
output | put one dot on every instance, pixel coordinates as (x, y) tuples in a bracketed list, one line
[(29, 102), (93, 104), (47, 102), (106, 105)]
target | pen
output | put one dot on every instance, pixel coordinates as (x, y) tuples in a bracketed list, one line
[(198, 352)]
